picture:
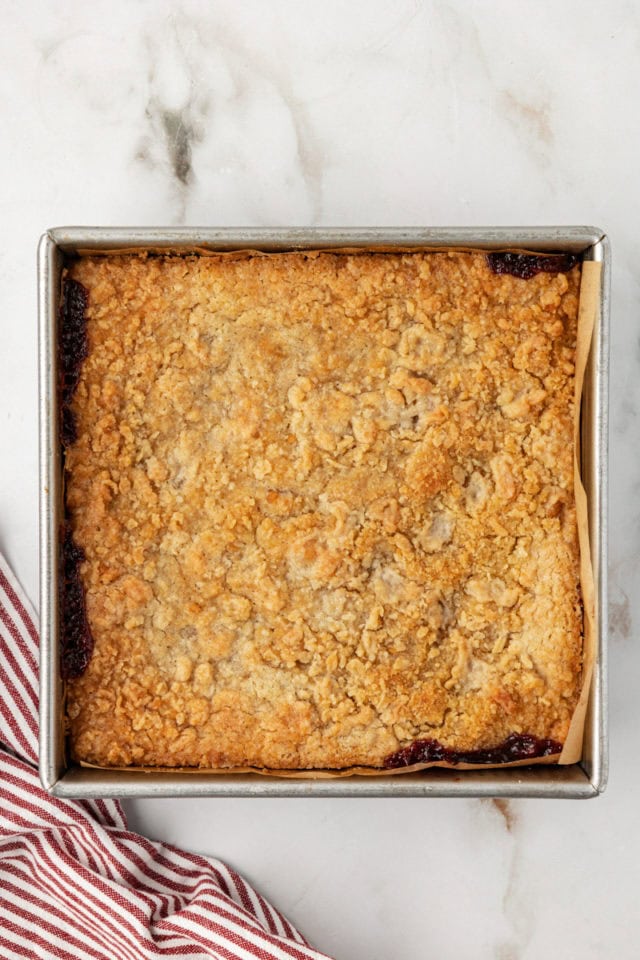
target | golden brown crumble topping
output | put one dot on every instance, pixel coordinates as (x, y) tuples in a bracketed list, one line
[(327, 508)]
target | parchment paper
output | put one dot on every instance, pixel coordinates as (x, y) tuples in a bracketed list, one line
[(587, 314), (572, 749)]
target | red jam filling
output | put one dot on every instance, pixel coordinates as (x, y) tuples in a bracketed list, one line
[(526, 265), (77, 642), (73, 350), (517, 746)]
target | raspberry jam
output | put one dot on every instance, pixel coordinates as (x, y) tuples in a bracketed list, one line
[(77, 642), (517, 746), (526, 265), (73, 350)]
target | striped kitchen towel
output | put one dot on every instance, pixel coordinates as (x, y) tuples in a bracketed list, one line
[(76, 883)]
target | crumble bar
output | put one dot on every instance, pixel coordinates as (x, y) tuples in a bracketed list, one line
[(325, 504)]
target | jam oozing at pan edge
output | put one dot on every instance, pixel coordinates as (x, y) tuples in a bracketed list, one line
[(526, 265), (73, 350), (76, 638), (517, 746), (77, 641)]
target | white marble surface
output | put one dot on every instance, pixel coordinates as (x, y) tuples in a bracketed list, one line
[(433, 113)]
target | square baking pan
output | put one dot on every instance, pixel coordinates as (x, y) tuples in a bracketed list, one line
[(64, 779)]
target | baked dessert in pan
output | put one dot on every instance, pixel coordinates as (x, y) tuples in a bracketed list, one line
[(320, 509)]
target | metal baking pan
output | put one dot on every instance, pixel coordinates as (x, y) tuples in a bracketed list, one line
[(585, 779)]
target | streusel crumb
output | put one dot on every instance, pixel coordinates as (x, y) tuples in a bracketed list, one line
[(326, 503)]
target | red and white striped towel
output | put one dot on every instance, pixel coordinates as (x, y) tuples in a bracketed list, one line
[(76, 883)]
